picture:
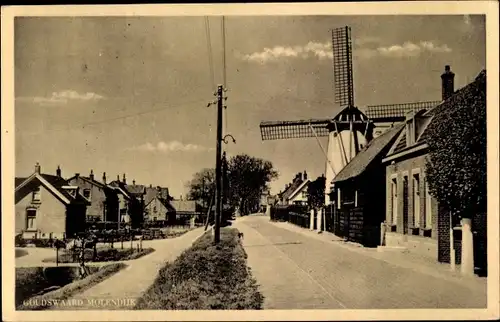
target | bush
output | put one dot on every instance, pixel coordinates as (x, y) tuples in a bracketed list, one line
[(19, 241), (456, 167), (206, 276)]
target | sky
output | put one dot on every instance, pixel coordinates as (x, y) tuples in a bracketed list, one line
[(129, 94)]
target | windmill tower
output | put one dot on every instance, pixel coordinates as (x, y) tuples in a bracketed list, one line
[(351, 129)]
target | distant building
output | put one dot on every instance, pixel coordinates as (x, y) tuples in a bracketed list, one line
[(104, 200), (133, 196), (47, 206), (291, 188)]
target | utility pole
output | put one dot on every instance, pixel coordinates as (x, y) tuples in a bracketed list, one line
[(218, 165)]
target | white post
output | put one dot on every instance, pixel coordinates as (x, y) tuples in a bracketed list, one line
[(467, 262), (311, 220), (268, 210), (319, 219)]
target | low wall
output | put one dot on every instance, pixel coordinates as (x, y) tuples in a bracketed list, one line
[(423, 246)]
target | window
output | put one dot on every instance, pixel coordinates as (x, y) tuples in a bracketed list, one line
[(428, 208), (304, 194), (154, 218), (394, 201), (154, 209), (86, 193), (30, 219), (416, 200), (37, 194)]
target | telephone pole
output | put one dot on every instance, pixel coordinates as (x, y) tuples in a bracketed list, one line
[(218, 165)]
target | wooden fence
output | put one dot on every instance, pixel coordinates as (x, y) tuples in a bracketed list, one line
[(295, 214)]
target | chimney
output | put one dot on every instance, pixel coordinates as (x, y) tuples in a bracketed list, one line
[(124, 179), (150, 185), (117, 178), (133, 182), (104, 177), (448, 83), (58, 171), (77, 175), (91, 176), (305, 175), (38, 168)]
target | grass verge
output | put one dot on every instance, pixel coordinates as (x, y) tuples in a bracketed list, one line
[(206, 276), (103, 255), (49, 299)]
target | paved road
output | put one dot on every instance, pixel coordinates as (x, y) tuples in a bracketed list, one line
[(129, 284), (296, 271)]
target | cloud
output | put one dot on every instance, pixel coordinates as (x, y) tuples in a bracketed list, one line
[(172, 146), (366, 40), (311, 49), (408, 49), (324, 51), (63, 97)]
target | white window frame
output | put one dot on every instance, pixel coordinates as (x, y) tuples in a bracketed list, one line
[(37, 194), (33, 217), (90, 194)]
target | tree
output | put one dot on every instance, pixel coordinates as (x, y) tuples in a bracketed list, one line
[(248, 178), (245, 179), (316, 193), (202, 186), (456, 165)]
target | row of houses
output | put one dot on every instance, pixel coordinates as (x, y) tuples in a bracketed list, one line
[(49, 206), (381, 197)]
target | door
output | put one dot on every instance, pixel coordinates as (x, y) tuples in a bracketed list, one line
[(394, 199), (405, 205)]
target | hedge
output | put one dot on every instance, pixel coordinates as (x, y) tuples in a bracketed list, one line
[(206, 276)]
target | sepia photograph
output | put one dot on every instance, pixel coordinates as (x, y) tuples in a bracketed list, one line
[(224, 161)]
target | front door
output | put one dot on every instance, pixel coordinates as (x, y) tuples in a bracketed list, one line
[(405, 205)]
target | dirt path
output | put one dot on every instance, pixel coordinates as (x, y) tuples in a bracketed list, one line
[(120, 291)]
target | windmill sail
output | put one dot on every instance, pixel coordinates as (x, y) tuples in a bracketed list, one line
[(278, 130), (396, 112), (342, 66)]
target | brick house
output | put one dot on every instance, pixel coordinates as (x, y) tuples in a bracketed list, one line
[(157, 209), (104, 201), (46, 206), (414, 219), (131, 199), (299, 195), (359, 191)]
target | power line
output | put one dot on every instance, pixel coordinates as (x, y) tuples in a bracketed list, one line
[(209, 49), (223, 31), (224, 73), (83, 125)]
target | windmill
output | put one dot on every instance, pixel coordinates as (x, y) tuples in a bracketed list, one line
[(350, 129)]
